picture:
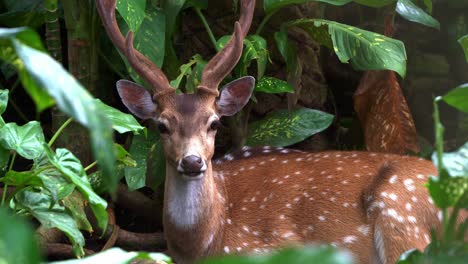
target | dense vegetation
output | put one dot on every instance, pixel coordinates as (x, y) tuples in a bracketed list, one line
[(61, 167)]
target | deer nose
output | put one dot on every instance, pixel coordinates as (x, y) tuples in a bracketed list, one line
[(192, 165)]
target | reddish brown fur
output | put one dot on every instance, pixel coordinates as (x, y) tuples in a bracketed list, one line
[(318, 197)]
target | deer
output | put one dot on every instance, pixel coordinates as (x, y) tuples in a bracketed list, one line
[(261, 199)]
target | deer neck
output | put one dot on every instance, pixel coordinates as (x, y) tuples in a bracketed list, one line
[(193, 212)]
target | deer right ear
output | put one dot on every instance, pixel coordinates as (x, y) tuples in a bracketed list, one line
[(235, 95), (137, 99)]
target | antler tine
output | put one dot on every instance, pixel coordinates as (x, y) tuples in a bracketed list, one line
[(225, 60), (145, 68)]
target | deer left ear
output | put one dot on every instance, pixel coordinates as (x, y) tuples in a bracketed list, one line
[(235, 95)]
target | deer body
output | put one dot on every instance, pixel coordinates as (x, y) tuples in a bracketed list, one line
[(373, 204), (265, 198)]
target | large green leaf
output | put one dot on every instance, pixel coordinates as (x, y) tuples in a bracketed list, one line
[(364, 49), (3, 105), (3, 100), (156, 174), (136, 176), (149, 40), (72, 169), (273, 85), (28, 38), (38, 204), (283, 128), (272, 5), (288, 51), (26, 140), (456, 162), (133, 12), (464, 44), (172, 9), (17, 241), (310, 254), (76, 102), (118, 256), (121, 121), (458, 97), (412, 12)]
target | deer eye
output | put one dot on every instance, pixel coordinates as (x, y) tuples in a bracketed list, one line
[(162, 128), (215, 125)]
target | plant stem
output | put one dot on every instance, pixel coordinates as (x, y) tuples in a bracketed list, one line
[(5, 186), (265, 19), (90, 166), (207, 27), (59, 131)]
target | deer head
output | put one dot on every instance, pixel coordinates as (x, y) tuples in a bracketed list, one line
[(187, 122)]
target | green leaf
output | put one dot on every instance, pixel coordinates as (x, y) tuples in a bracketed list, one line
[(412, 12), (152, 28), (185, 70), (28, 38), (38, 204), (283, 128), (136, 176), (255, 49), (22, 178), (72, 169), (17, 241), (156, 174), (273, 5), (76, 102), (3, 105), (172, 9), (364, 49), (375, 3), (273, 85), (458, 97), (194, 77), (318, 254), (3, 100), (121, 121), (133, 12), (456, 162), (26, 140), (118, 256), (464, 44), (288, 51)]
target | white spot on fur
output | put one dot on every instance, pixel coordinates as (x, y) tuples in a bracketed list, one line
[(409, 184), (363, 229), (393, 179), (412, 219), (349, 239), (408, 206), (393, 196), (322, 218), (226, 249)]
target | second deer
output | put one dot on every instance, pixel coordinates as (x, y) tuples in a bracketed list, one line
[(262, 199)]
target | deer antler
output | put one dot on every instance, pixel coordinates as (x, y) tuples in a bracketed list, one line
[(145, 68), (225, 60)]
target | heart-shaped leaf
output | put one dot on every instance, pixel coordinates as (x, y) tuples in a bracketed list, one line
[(38, 204), (26, 140)]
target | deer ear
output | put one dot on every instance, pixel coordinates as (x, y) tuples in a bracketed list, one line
[(137, 99), (235, 95)]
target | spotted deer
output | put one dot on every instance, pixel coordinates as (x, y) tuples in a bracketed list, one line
[(262, 199)]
